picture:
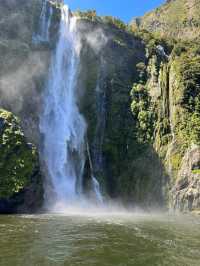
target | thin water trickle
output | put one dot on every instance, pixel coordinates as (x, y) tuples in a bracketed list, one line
[(44, 24), (96, 189)]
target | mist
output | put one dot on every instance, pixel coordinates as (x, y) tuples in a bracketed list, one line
[(20, 83)]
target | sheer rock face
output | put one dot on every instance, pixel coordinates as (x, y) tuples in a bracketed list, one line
[(108, 62), (168, 98), (141, 104), (177, 19), (23, 65), (23, 70), (186, 192), (167, 114)]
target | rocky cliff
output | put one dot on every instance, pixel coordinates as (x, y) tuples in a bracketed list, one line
[(138, 91), (22, 72), (166, 106), (170, 91), (179, 19)]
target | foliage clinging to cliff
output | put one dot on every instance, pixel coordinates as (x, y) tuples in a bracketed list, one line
[(17, 158), (179, 19)]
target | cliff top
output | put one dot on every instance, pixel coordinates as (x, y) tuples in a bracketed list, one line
[(176, 18)]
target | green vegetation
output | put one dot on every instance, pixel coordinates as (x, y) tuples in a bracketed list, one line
[(115, 22), (179, 19), (17, 158), (196, 171), (187, 95), (143, 113), (165, 102), (91, 15), (152, 40)]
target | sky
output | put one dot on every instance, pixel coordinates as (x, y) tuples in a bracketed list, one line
[(123, 9)]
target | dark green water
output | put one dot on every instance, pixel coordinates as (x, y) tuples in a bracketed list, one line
[(99, 240)]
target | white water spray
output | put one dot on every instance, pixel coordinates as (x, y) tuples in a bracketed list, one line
[(97, 191), (61, 123)]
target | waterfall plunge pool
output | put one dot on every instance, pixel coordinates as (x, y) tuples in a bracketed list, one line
[(99, 239)]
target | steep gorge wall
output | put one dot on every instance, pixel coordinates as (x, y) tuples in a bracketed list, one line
[(171, 91), (141, 105), (118, 157), (22, 72), (22, 66), (143, 114), (104, 88), (167, 102)]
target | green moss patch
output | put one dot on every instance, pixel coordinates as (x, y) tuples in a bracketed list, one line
[(196, 171)]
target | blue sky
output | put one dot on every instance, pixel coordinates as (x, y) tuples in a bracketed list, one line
[(123, 9)]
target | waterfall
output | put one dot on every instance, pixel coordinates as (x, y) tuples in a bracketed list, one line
[(61, 124), (97, 190), (44, 23), (45, 19), (101, 118)]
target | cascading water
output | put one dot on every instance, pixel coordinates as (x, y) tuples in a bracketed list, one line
[(101, 118), (45, 21), (61, 124), (44, 24)]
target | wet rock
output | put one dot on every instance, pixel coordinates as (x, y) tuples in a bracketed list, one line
[(186, 192)]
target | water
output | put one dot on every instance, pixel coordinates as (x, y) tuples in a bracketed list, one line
[(44, 24), (99, 240), (97, 191), (45, 21), (61, 124)]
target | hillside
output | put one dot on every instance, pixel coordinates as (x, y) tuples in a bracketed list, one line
[(178, 19)]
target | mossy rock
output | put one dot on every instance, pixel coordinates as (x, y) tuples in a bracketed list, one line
[(18, 159)]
